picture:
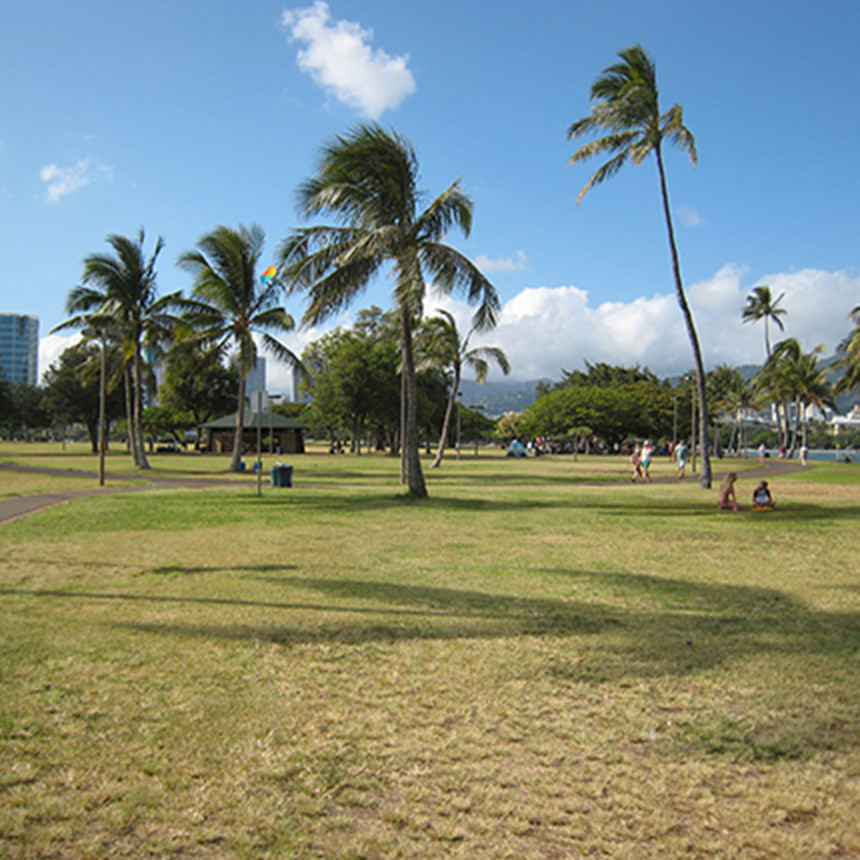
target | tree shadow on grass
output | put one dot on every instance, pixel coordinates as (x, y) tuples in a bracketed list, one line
[(623, 505), (662, 626), (635, 628)]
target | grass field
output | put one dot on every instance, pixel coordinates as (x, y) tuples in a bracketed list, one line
[(541, 660)]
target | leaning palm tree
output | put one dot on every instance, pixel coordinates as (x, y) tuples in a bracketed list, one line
[(762, 306), (367, 180), (229, 306), (627, 110), (442, 347), (118, 291)]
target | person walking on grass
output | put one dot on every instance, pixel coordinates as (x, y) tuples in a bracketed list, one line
[(647, 451), (681, 452), (636, 463)]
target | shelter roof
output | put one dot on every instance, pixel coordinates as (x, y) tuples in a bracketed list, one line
[(267, 420)]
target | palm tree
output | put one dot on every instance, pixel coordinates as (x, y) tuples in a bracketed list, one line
[(812, 389), (230, 306), (98, 328), (442, 346), (732, 398), (367, 180), (849, 362), (627, 109), (795, 376), (762, 306), (124, 302)]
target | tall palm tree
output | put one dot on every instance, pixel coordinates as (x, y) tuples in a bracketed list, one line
[(367, 180), (762, 306), (442, 347), (627, 111), (118, 295), (229, 305)]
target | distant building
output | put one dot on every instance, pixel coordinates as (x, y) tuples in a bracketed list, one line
[(19, 348), (256, 380), (851, 421)]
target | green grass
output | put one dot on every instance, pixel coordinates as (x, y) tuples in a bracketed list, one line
[(540, 660)]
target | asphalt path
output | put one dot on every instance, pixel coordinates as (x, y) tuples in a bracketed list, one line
[(16, 507)]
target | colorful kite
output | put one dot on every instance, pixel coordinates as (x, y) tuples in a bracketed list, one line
[(267, 276)]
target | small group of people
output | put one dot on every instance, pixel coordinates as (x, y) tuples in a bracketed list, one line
[(640, 460), (762, 500)]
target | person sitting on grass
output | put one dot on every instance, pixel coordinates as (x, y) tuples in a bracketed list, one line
[(727, 493), (762, 499)]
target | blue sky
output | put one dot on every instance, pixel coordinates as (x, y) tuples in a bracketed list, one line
[(178, 116)]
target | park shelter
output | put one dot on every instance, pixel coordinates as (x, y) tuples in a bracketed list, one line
[(279, 435)]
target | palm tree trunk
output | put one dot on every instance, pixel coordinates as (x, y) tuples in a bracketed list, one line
[(705, 479), (804, 439), (446, 421), (240, 422), (402, 440), (102, 412), (137, 398), (129, 416), (414, 475), (796, 430)]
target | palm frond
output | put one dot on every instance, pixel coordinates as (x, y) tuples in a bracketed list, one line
[(452, 208), (453, 271), (281, 352), (673, 128), (487, 354), (606, 171), (334, 291)]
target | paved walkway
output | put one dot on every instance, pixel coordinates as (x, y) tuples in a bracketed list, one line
[(20, 506)]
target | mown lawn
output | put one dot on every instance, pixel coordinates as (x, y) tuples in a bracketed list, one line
[(541, 660)]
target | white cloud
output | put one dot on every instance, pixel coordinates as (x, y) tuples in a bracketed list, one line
[(517, 263), (52, 346), (66, 180), (339, 58), (545, 329), (689, 216)]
